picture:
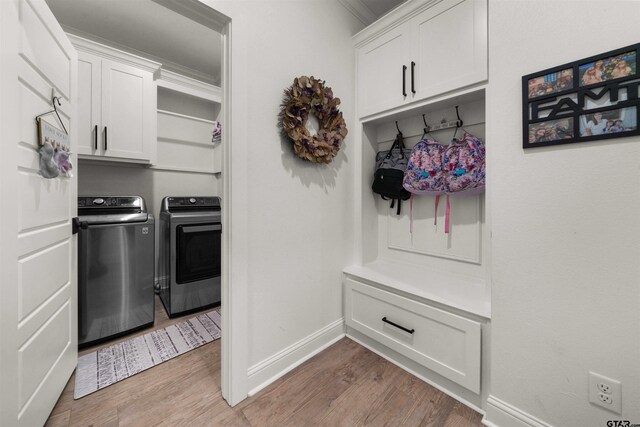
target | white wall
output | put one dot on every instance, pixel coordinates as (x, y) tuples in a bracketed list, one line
[(292, 220), (565, 226)]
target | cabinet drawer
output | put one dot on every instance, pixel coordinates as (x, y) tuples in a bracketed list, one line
[(441, 341)]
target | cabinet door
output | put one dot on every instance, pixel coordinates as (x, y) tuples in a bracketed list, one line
[(380, 72), (128, 101), (450, 47), (89, 92)]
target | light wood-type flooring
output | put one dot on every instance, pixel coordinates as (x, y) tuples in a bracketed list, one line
[(345, 385)]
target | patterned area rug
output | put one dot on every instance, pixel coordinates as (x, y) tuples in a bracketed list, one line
[(109, 365)]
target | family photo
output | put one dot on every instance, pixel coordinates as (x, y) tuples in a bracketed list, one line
[(551, 130), (614, 121), (602, 70), (551, 83)]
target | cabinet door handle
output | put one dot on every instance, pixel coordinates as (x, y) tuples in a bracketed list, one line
[(105, 138), (404, 80), (413, 67), (411, 331), (95, 136)]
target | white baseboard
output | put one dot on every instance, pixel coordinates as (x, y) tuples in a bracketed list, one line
[(264, 373), (501, 414)]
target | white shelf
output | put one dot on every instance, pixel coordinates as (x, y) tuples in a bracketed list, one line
[(467, 294)]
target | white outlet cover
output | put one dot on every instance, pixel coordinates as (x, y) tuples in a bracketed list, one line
[(599, 382)]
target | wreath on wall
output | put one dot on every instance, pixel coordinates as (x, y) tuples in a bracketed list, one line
[(308, 95)]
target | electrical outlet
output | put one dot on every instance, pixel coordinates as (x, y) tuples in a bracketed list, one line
[(605, 392), (603, 387), (605, 398)]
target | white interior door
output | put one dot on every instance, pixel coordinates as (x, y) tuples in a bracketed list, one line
[(38, 296)]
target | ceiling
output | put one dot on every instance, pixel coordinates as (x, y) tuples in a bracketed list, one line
[(380, 7), (148, 29)]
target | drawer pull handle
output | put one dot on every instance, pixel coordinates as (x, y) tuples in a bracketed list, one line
[(411, 331)]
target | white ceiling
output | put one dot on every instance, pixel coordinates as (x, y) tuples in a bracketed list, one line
[(380, 7), (147, 29)]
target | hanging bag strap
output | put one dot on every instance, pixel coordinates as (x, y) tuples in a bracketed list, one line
[(435, 213), (447, 216), (411, 215), (396, 143)]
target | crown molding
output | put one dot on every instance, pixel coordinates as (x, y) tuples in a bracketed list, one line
[(96, 47), (360, 10), (198, 12), (180, 83), (391, 20), (89, 42)]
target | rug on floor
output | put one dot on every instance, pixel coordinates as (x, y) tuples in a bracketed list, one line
[(109, 365)]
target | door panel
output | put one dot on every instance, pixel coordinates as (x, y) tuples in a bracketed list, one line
[(45, 53), (38, 322), (41, 275)]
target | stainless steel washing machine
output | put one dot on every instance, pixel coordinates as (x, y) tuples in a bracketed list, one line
[(116, 264)]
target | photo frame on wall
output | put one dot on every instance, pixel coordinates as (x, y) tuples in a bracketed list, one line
[(590, 99)]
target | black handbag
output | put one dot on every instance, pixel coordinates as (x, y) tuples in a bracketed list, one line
[(390, 167)]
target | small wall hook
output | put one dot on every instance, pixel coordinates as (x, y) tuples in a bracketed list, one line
[(399, 131), (54, 100), (459, 122), (426, 126)]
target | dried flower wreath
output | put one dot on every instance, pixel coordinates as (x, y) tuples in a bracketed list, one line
[(307, 96)]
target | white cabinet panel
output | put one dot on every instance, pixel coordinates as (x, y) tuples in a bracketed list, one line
[(117, 109), (441, 46), (441, 341), (123, 104), (89, 92), (383, 77), (462, 243), (450, 47)]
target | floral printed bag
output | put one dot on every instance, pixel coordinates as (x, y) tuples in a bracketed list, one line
[(424, 174), (464, 162), (464, 165), (435, 169)]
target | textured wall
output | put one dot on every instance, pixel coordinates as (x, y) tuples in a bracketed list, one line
[(564, 226)]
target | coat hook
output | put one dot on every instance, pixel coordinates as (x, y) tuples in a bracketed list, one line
[(426, 126), (399, 131), (459, 122)]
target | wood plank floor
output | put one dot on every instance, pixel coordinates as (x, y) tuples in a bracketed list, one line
[(345, 385)]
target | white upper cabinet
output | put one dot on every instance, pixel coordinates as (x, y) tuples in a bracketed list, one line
[(422, 49), (382, 71), (117, 104)]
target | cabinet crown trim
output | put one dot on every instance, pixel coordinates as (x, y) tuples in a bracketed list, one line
[(108, 52), (396, 17), (180, 83)]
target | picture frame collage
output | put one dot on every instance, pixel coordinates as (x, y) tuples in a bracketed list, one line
[(590, 99)]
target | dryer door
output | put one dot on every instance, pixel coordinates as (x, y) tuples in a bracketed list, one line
[(197, 252)]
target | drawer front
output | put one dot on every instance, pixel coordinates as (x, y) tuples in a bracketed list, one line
[(443, 342)]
